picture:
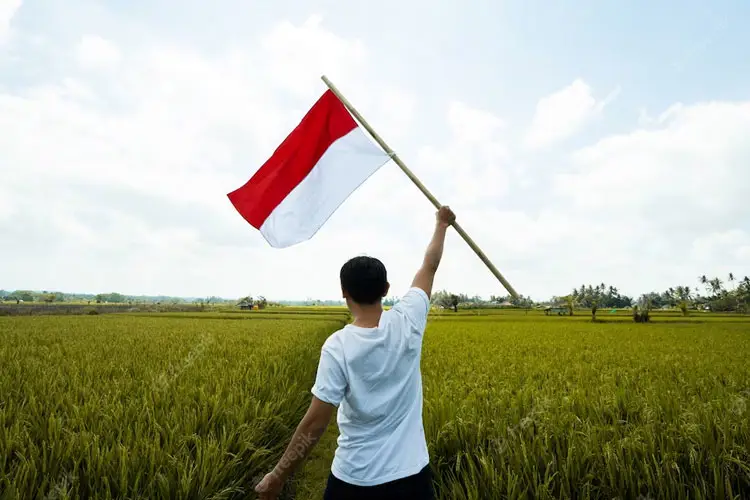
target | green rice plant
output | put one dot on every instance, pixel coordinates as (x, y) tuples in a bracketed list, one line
[(134, 407), (573, 409), (199, 405)]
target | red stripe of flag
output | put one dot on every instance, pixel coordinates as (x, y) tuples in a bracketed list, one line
[(327, 121)]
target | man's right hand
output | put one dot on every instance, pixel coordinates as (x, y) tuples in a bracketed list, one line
[(445, 216), (426, 274)]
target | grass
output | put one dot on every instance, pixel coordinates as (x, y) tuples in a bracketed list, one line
[(132, 407), (549, 407), (199, 405), (313, 476)]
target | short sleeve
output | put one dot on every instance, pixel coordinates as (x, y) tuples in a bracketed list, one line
[(415, 305), (330, 382)]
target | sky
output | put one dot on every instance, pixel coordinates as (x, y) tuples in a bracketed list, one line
[(577, 142)]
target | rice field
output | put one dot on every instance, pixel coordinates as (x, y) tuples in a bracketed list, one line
[(517, 405), (135, 407), (562, 407)]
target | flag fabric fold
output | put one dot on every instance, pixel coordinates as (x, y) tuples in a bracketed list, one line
[(323, 161)]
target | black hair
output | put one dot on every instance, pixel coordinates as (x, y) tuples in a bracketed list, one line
[(364, 279)]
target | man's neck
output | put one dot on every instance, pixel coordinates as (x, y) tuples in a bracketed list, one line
[(367, 316)]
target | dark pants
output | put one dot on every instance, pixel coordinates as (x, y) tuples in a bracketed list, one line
[(416, 487)]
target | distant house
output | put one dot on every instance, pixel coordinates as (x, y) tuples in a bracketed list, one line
[(505, 304), (246, 305), (559, 310)]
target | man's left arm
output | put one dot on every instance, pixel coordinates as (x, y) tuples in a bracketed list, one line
[(308, 433)]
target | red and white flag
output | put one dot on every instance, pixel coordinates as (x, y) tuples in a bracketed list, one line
[(324, 160)]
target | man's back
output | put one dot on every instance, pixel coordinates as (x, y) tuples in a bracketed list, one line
[(370, 371), (373, 375)]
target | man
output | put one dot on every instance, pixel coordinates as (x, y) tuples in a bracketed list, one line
[(370, 371)]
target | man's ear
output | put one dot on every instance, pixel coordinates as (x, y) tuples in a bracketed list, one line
[(387, 287), (344, 294)]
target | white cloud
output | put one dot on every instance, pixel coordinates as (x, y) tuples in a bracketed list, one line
[(8, 9), (680, 187), (472, 125), (299, 55), (397, 107), (564, 113), (643, 211), (116, 179), (693, 166), (725, 247), (94, 51), (125, 172), (472, 166)]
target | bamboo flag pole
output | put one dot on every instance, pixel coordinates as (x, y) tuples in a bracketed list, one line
[(419, 184)]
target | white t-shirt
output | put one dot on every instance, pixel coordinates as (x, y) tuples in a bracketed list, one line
[(373, 376)]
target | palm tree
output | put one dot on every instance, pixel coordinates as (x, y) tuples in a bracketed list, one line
[(743, 295), (716, 286), (705, 282), (683, 296), (570, 303), (594, 307)]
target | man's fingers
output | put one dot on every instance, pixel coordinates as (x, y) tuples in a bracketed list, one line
[(445, 215), (265, 489)]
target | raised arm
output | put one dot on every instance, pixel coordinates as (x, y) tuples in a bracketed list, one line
[(426, 274)]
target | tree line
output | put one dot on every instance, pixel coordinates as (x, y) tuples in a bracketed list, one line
[(19, 296), (251, 302), (716, 295), (449, 300), (50, 297), (710, 294), (720, 296)]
